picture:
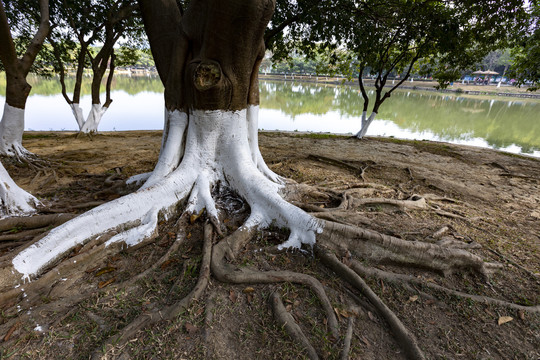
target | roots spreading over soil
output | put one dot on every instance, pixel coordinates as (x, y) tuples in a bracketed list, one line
[(346, 247)]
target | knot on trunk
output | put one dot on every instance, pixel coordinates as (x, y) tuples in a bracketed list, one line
[(207, 75)]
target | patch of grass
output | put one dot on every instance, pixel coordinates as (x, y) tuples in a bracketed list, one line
[(319, 136), (38, 135), (519, 156)]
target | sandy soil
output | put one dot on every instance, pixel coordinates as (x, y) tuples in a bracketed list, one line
[(492, 205)]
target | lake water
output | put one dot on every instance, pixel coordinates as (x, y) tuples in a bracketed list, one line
[(509, 124)]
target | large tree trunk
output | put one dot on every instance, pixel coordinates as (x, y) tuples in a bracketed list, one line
[(208, 60)]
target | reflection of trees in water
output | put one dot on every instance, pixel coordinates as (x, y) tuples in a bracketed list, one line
[(51, 86), (501, 122)]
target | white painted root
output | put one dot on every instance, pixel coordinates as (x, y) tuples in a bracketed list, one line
[(138, 179), (14, 200), (217, 150)]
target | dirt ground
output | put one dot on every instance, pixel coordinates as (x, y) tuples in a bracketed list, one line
[(491, 207)]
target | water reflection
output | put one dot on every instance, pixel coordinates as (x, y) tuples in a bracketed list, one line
[(502, 123)]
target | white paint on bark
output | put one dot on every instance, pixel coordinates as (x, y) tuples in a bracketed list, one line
[(11, 132), (217, 149), (365, 124), (78, 113), (253, 138), (172, 148), (14, 200), (94, 118)]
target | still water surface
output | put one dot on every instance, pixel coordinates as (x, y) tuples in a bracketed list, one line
[(509, 124)]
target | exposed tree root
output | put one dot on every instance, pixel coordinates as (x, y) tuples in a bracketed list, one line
[(359, 171), (407, 279), (34, 222), (287, 321), (170, 312), (379, 247), (230, 246), (347, 339), (405, 339)]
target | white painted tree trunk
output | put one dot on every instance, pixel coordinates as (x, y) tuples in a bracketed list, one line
[(365, 124), (11, 132), (169, 156), (14, 200), (90, 125), (217, 150)]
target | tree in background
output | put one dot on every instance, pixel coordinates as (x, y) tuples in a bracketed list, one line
[(30, 21), (380, 38), (526, 52), (80, 25)]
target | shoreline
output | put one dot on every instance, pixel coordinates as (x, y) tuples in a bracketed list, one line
[(490, 89), (36, 134)]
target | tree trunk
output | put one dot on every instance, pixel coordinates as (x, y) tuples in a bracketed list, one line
[(12, 124), (17, 88), (208, 60), (366, 121)]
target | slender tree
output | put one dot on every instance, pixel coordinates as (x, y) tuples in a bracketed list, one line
[(80, 26), (13, 199), (18, 65), (388, 38), (526, 51)]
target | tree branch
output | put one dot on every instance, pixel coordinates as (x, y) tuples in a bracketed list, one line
[(161, 21), (38, 39), (8, 54)]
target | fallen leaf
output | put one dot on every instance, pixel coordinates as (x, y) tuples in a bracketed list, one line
[(10, 332), (105, 283), (413, 298), (296, 303), (371, 316), (521, 314), (188, 236), (232, 296), (288, 308), (248, 290), (194, 217), (504, 319), (190, 328), (105, 270), (91, 270), (167, 263)]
